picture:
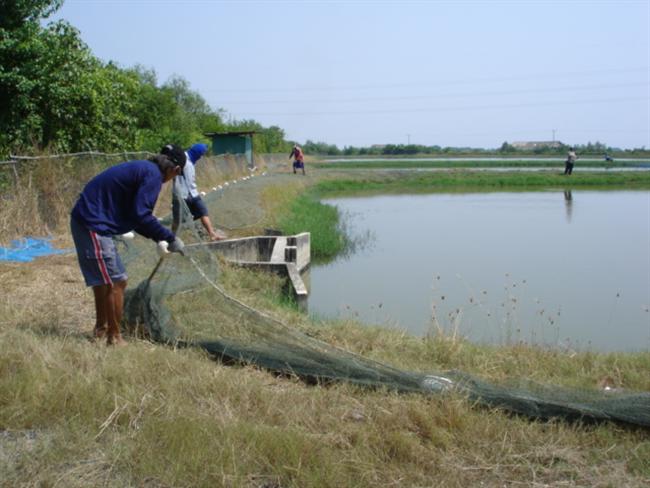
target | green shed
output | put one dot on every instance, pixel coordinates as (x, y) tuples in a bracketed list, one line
[(237, 143)]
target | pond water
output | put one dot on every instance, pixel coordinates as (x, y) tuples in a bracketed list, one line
[(558, 268)]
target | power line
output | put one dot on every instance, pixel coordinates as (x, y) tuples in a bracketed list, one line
[(442, 95), (448, 108), (464, 81)]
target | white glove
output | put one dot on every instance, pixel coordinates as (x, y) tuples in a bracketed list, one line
[(177, 246), (163, 248), (128, 236)]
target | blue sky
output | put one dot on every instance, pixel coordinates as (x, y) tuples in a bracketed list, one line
[(451, 73)]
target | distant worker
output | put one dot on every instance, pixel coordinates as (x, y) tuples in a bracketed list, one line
[(298, 159), (608, 158), (117, 201), (570, 161), (185, 189)]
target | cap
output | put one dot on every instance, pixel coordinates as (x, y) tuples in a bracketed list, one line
[(175, 154), (195, 152)]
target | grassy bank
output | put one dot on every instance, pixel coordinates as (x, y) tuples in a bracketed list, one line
[(299, 208), (36, 200), (306, 213), (295, 208), (468, 180), (415, 163), (77, 414)]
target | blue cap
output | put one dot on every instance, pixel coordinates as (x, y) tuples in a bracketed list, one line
[(196, 151)]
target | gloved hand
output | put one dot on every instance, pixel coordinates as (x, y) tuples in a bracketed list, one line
[(177, 246), (163, 248)]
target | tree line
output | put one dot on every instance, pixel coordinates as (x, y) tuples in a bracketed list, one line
[(56, 96), (506, 149)]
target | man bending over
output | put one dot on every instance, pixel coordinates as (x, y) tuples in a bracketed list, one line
[(118, 200)]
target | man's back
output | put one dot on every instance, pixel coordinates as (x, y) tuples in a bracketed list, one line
[(121, 199)]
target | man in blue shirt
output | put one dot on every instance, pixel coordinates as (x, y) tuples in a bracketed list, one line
[(119, 200)]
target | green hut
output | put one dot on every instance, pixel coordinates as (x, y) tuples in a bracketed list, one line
[(236, 143)]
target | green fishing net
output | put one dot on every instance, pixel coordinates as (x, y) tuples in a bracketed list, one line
[(178, 300)]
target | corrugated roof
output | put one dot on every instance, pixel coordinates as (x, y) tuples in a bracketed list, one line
[(235, 133)]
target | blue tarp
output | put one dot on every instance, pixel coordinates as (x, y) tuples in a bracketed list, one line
[(25, 250)]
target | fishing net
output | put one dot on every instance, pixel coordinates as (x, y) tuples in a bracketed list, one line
[(179, 301)]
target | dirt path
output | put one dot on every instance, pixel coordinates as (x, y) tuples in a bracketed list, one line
[(239, 206)]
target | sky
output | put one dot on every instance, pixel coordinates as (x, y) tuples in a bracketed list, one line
[(356, 73)]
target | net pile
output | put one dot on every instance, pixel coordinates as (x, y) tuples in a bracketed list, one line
[(179, 301)]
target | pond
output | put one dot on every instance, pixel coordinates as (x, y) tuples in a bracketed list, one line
[(567, 269)]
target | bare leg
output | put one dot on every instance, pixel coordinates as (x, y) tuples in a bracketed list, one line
[(110, 299), (101, 313), (118, 308)]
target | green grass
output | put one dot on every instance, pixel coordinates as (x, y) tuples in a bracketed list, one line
[(306, 214), (416, 163), (467, 180)]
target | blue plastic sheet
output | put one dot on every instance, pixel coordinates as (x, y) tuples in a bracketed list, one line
[(28, 248)]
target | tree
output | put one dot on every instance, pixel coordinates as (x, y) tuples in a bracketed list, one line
[(18, 13), (321, 148), (274, 140), (56, 95), (54, 92)]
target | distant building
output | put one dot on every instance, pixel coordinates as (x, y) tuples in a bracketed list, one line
[(237, 143), (378, 146), (530, 145)]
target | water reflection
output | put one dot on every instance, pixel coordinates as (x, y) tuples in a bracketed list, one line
[(568, 204), (356, 240)]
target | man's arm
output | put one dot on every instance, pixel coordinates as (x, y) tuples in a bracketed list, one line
[(144, 202)]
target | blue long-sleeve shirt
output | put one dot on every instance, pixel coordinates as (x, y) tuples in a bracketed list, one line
[(121, 199)]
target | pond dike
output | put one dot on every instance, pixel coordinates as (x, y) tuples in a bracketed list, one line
[(288, 256)]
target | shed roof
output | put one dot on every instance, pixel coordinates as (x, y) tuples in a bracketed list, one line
[(234, 133)]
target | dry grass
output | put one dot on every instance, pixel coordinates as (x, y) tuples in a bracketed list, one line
[(40, 294), (39, 201), (76, 414)]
